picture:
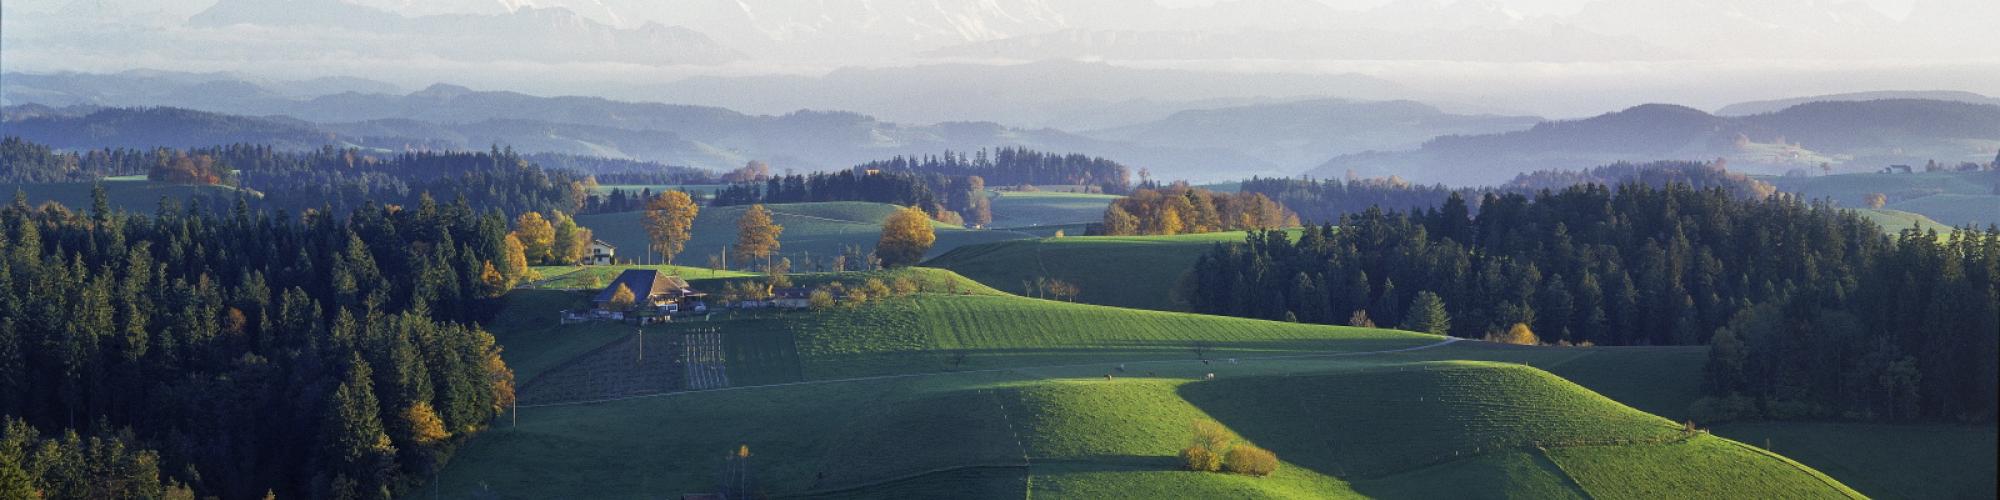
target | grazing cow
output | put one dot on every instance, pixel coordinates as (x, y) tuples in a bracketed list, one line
[(1211, 376)]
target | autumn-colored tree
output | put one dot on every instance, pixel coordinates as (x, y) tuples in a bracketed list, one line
[(425, 426), (779, 274), (1199, 459), (1250, 460), (754, 171), (514, 261), (1205, 450), (756, 235), (1360, 319), (670, 222), (621, 298), (1118, 222), (1519, 334), (538, 237), (904, 286), (906, 236), (820, 299), (491, 281), (876, 288), (1169, 222), (1876, 200), (571, 240)]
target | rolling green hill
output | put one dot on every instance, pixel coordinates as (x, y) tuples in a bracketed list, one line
[(989, 434), (881, 405), (1026, 209), (1895, 221), (1122, 271), (1951, 198), (818, 230)]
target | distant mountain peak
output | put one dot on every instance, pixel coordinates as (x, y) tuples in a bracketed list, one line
[(442, 91)]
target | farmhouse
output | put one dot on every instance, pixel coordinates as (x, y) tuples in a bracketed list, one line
[(600, 253), (653, 292)]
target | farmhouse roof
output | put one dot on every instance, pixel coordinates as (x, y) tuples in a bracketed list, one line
[(646, 283), (603, 243)]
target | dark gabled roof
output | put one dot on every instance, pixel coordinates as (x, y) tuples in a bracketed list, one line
[(645, 283), (605, 243)]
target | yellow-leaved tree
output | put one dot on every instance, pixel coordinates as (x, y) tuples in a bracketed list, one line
[(1519, 334), (538, 236), (621, 298), (756, 235), (670, 222), (906, 236)]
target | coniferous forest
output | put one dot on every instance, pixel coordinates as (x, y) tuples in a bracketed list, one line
[(246, 353), (1813, 312), (1017, 166)]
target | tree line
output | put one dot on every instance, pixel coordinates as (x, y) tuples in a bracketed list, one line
[(1642, 265), (1016, 166), (1327, 200), (952, 199), (22, 161), (1180, 209), (256, 352)]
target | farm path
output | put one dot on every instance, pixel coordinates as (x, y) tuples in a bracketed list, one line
[(1441, 343)]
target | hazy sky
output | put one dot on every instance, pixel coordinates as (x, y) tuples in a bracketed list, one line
[(1555, 57)]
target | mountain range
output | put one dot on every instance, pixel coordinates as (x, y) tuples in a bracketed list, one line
[(1841, 135), (1196, 140)]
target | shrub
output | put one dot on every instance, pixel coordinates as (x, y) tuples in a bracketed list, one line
[(904, 286), (1197, 458), (1251, 460), (820, 299), (855, 298), (876, 288), (1519, 334)]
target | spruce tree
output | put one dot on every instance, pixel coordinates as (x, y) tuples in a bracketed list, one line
[(1427, 315), (356, 458)]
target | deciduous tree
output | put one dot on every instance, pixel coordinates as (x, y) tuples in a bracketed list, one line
[(756, 235), (670, 222), (538, 237), (906, 236)]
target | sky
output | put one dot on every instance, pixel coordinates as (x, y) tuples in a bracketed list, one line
[(1551, 57)]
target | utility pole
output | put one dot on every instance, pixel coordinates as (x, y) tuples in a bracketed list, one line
[(642, 344)]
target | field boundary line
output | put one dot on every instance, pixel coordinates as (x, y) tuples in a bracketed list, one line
[(1441, 343)]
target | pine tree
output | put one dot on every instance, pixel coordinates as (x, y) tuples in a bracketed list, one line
[(1427, 314), (356, 457)]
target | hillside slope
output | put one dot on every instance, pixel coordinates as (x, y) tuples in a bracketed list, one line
[(1121, 271), (816, 231), (1850, 136)]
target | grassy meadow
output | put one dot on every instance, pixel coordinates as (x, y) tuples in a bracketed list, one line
[(1033, 209), (1122, 271), (875, 401), (1950, 198)]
